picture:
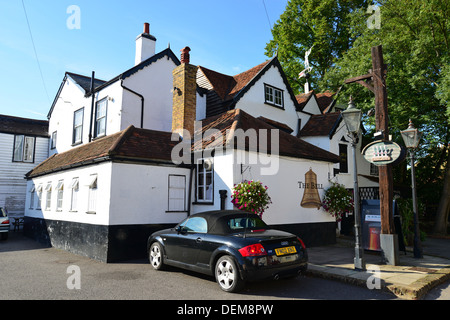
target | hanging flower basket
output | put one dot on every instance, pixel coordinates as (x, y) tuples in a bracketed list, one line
[(337, 201), (251, 196)]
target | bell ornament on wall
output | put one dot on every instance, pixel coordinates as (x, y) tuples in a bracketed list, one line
[(311, 198)]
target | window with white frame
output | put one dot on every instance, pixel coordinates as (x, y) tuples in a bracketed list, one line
[(92, 195), (39, 196), (273, 96), (23, 149), (59, 195), (74, 186), (100, 117), (177, 192), (53, 141), (48, 196), (78, 126), (204, 180), (32, 195)]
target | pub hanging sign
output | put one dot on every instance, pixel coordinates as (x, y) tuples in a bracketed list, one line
[(383, 152)]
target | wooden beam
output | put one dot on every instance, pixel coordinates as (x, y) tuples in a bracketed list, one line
[(374, 81), (382, 124), (366, 84), (358, 78)]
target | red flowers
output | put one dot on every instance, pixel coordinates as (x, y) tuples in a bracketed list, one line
[(251, 196)]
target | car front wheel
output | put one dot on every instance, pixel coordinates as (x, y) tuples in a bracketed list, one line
[(227, 275), (155, 256)]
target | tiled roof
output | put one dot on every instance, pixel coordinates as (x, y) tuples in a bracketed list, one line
[(225, 91), (130, 144), (84, 81), (324, 99), (244, 78), (25, 126), (321, 125), (303, 99), (227, 87), (276, 124), (221, 83), (227, 124), (143, 145)]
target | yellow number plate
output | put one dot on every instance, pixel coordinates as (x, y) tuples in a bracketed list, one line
[(285, 250)]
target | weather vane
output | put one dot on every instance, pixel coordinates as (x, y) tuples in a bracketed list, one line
[(308, 68)]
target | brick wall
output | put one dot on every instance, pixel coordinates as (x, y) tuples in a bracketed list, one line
[(184, 97)]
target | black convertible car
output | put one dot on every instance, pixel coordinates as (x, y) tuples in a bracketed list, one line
[(233, 246)]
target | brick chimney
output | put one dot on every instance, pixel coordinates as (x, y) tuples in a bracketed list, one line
[(145, 45), (184, 95)]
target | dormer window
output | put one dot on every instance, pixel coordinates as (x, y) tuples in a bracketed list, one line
[(273, 96)]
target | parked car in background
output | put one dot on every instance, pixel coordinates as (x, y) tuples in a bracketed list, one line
[(234, 246), (4, 224)]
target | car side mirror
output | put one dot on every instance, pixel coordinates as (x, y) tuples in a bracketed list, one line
[(179, 229)]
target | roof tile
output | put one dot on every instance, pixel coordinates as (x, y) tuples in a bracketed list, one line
[(16, 125), (320, 125), (229, 122)]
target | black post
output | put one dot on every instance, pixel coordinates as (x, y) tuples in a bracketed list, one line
[(417, 243), (223, 197), (92, 106)]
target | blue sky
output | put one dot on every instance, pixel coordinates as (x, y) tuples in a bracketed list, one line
[(228, 36)]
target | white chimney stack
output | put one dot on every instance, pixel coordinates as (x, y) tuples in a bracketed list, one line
[(145, 45)]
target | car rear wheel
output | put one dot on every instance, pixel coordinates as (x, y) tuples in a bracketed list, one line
[(155, 256), (227, 275)]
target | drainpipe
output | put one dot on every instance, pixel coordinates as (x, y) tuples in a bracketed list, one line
[(92, 105), (223, 197), (190, 191), (142, 102)]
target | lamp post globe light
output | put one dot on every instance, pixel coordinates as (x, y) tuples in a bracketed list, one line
[(352, 119), (411, 137)]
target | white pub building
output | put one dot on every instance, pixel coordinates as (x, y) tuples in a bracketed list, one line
[(165, 139)]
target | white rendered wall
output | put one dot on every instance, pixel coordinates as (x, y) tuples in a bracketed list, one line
[(155, 83), (139, 194), (283, 184), (70, 99), (253, 100), (284, 190), (100, 217)]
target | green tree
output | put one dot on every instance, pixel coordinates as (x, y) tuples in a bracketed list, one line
[(415, 37), (324, 24), (415, 40)]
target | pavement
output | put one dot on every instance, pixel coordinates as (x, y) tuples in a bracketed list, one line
[(411, 279)]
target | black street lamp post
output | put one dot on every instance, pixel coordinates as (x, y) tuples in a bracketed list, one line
[(352, 119), (411, 137)]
